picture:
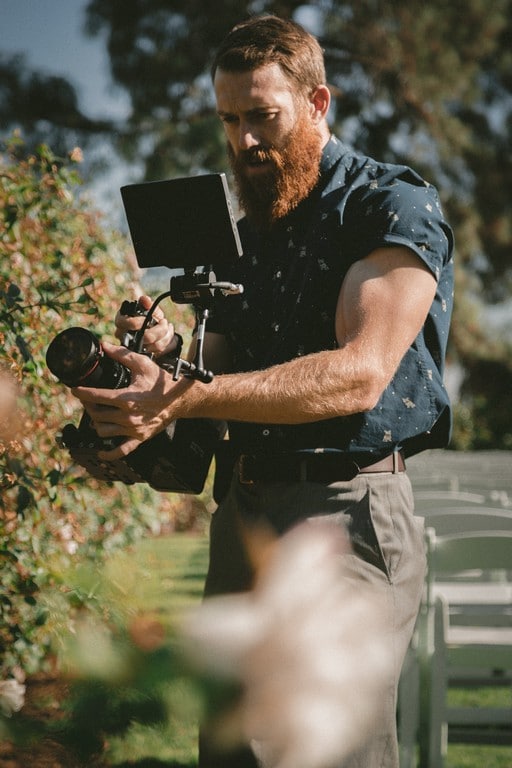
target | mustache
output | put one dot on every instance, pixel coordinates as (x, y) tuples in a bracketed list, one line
[(257, 155)]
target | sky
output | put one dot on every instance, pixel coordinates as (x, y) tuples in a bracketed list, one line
[(49, 33), (50, 36)]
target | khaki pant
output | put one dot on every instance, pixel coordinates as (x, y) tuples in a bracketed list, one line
[(377, 511)]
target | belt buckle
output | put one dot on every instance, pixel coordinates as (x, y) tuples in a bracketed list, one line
[(244, 458)]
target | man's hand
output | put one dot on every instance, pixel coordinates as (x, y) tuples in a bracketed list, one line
[(159, 339), (138, 411)]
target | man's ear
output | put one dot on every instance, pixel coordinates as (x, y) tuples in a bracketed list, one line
[(319, 101)]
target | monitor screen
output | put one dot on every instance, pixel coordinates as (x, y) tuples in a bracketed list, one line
[(182, 223)]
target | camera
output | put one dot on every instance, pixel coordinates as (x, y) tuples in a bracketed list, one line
[(158, 213), (177, 459), (76, 358)]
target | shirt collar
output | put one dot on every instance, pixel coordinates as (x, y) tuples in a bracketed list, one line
[(335, 156), (332, 152)]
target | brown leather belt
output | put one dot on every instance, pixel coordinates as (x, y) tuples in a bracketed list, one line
[(313, 467)]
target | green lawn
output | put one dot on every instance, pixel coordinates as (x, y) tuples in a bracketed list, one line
[(466, 756), (168, 576)]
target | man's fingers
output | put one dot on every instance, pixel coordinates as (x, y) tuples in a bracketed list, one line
[(120, 451), (109, 428), (137, 365), (91, 397), (122, 354)]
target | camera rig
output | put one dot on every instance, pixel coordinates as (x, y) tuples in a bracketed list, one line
[(177, 459), (197, 288)]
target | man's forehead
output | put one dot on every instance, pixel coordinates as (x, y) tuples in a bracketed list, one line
[(265, 85)]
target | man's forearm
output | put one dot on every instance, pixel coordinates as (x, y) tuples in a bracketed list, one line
[(311, 388)]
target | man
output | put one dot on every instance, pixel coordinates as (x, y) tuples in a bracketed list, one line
[(330, 364)]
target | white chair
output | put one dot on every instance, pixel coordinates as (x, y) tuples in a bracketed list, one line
[(462, 519), (431, 498), (446, 651)]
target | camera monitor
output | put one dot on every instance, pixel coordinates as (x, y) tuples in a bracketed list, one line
[(182, 223)]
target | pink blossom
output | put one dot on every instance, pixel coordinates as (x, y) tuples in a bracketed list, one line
[(12, 696)]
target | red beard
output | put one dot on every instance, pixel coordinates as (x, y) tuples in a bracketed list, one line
[(294, 171)]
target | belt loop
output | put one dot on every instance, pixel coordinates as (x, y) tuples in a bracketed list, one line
[(395, 462)]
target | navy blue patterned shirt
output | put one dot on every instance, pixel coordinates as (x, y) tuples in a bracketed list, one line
[(292, 277)]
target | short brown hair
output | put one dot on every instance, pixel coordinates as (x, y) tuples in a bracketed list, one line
[(263, 40)]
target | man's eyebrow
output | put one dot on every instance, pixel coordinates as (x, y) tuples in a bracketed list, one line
[(253, 111)]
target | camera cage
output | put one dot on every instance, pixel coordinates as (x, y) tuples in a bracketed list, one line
[(177, 459)]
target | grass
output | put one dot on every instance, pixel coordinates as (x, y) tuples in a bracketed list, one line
[(464, 756), (476, 756), (168, 575)]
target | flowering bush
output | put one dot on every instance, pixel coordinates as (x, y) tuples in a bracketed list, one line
[(58, 267)]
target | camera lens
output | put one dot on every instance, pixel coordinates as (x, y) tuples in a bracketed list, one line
[(76, 358)]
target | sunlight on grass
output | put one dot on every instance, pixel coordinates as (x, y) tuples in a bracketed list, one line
[(165, 577), (175, 742), (479, 756), (480, 697), (168, 574), (466, 756)]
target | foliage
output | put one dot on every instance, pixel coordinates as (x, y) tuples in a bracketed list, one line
[(488, 422), (58, 268), (124, 687)]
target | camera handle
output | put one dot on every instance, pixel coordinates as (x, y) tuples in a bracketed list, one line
[(196, 369), (186, 289)]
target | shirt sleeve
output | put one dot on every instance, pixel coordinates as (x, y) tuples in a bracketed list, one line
[(397, 207)]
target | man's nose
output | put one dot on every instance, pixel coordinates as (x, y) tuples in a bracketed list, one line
[(247, 137)]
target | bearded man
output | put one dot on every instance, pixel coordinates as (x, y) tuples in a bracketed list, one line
[(330, 364)]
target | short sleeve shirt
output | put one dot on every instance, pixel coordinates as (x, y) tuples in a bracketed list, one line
[(292, 277)]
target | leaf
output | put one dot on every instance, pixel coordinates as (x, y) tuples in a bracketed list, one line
[(25, 499), (13, 291), (9, 555), (23, 348), (42, 617), (30, 599), (54, 476)]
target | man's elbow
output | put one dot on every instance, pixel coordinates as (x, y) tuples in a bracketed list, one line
[(370, 392)]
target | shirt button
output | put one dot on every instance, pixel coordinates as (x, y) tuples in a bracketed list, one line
[(265, 432)]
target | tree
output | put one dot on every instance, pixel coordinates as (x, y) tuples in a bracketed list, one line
[(45, 106), (159, 52)]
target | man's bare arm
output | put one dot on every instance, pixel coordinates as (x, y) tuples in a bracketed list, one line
[(382, 306)]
